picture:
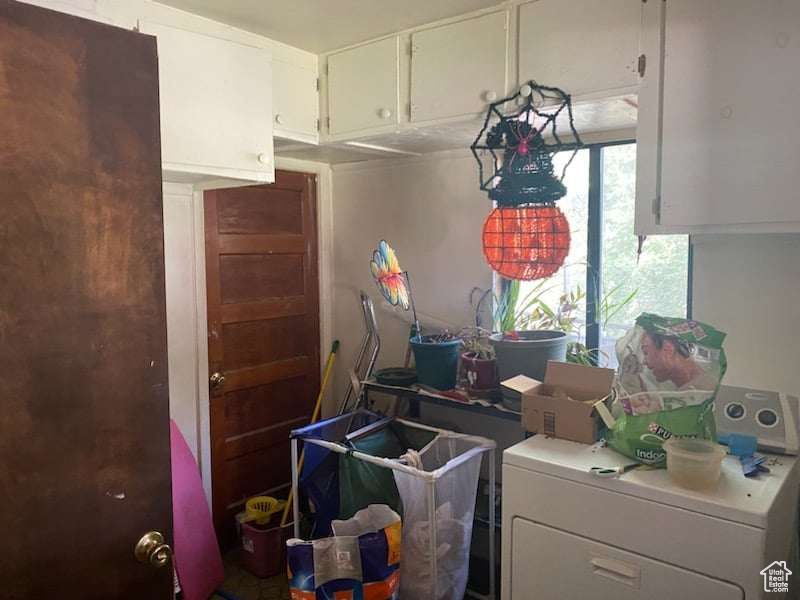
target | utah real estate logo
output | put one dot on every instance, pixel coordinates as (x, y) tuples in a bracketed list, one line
[(776, 577)]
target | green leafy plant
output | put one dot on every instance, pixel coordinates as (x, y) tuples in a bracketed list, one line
[(513, 313), (476, 341), (532, 312)]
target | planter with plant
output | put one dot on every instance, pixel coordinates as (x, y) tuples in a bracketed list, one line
[(531, 332), (524, 343), (478, 360), (435, 355), (436, 359)]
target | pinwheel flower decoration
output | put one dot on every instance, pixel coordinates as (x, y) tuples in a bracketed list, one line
[(389, 276), (394, 283)]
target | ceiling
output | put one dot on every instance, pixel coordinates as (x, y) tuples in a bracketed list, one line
[(322, 25)]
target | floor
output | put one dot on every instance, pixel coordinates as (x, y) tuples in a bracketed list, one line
[(244, 586)]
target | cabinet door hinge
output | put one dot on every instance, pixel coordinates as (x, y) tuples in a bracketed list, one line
[(642, 65), (328, 123), (317, 121), (317, 83)]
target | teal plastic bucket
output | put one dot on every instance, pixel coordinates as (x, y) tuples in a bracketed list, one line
[(437, 362)]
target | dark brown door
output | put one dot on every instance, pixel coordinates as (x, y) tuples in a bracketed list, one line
[(263, 334), (84, 430)]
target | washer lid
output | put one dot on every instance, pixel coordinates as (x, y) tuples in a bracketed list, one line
[(736, 498)]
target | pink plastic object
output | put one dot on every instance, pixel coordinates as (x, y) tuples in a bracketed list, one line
[(197, 557)]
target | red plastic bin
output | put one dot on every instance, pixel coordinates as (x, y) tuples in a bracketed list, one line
[(263, 551)]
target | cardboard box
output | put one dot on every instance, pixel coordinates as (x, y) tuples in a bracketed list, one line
[(569, 404)]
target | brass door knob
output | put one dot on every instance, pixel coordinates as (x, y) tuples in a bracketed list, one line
[(152, 549), (216, 379)]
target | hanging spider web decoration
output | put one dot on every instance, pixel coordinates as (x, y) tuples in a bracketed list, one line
[(521, 169), (526, 236)]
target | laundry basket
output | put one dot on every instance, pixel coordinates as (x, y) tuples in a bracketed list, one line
[(436, 485)]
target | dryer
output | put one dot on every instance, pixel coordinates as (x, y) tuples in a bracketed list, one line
[(571, 535)]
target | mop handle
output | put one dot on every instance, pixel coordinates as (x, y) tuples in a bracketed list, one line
[(314, 417)]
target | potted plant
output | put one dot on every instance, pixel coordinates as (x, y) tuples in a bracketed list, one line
[(531, 332), (524, 342), (478, 360), (436, 359), (435, 355)]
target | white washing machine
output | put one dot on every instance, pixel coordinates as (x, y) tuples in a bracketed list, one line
[(571, 535)]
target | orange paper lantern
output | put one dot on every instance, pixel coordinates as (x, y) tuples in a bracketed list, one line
[(526, 242)]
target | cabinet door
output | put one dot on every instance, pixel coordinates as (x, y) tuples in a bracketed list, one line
[(216, 106), (730, 127), (584, 48), (549, 564), (363, 87), (295, 102), (456, 69)]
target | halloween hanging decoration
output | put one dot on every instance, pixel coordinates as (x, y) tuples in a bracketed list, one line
[(392, 281), (526, 236)]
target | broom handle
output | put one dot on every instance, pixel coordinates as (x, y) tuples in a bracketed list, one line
[(314, 417)]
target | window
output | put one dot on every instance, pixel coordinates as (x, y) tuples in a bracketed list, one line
[(612, 281)]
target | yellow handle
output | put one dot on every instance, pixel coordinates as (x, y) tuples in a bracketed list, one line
[(314, 417)]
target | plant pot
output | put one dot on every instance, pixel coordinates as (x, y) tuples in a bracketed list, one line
[(437, 362), (481, 373), (527, 355)]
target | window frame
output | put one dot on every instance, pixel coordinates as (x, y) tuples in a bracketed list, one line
[(594, 240), (594, 237)]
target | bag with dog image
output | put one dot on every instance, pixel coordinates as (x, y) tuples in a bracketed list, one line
[(668, 375)]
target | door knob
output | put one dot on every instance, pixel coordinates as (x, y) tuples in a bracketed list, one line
[(152, 549), (216, 379)]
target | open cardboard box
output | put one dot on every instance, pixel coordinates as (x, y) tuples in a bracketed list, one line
[(574, 415)]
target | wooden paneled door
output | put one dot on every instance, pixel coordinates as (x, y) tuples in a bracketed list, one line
[(263, 335), (84, 408)]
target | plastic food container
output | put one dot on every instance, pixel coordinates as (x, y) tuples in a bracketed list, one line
[(693, 463)]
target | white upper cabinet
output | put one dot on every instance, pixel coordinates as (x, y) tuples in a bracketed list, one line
[(718, 127), (588, 48), (457, 69), (295, 102), (216, 106), (363, 88)]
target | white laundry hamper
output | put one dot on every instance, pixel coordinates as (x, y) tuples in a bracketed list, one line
[(437, 485)]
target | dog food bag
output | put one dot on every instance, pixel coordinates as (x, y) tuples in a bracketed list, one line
[(360, 561), (668, 375)]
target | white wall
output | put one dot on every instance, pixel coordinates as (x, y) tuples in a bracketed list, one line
[(749, 286), (431, 211), (180, 268)]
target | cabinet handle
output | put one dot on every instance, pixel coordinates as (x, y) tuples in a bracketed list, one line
[(384, 113), (264, 158), (617, 570), (279, 119), (490, 96)]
